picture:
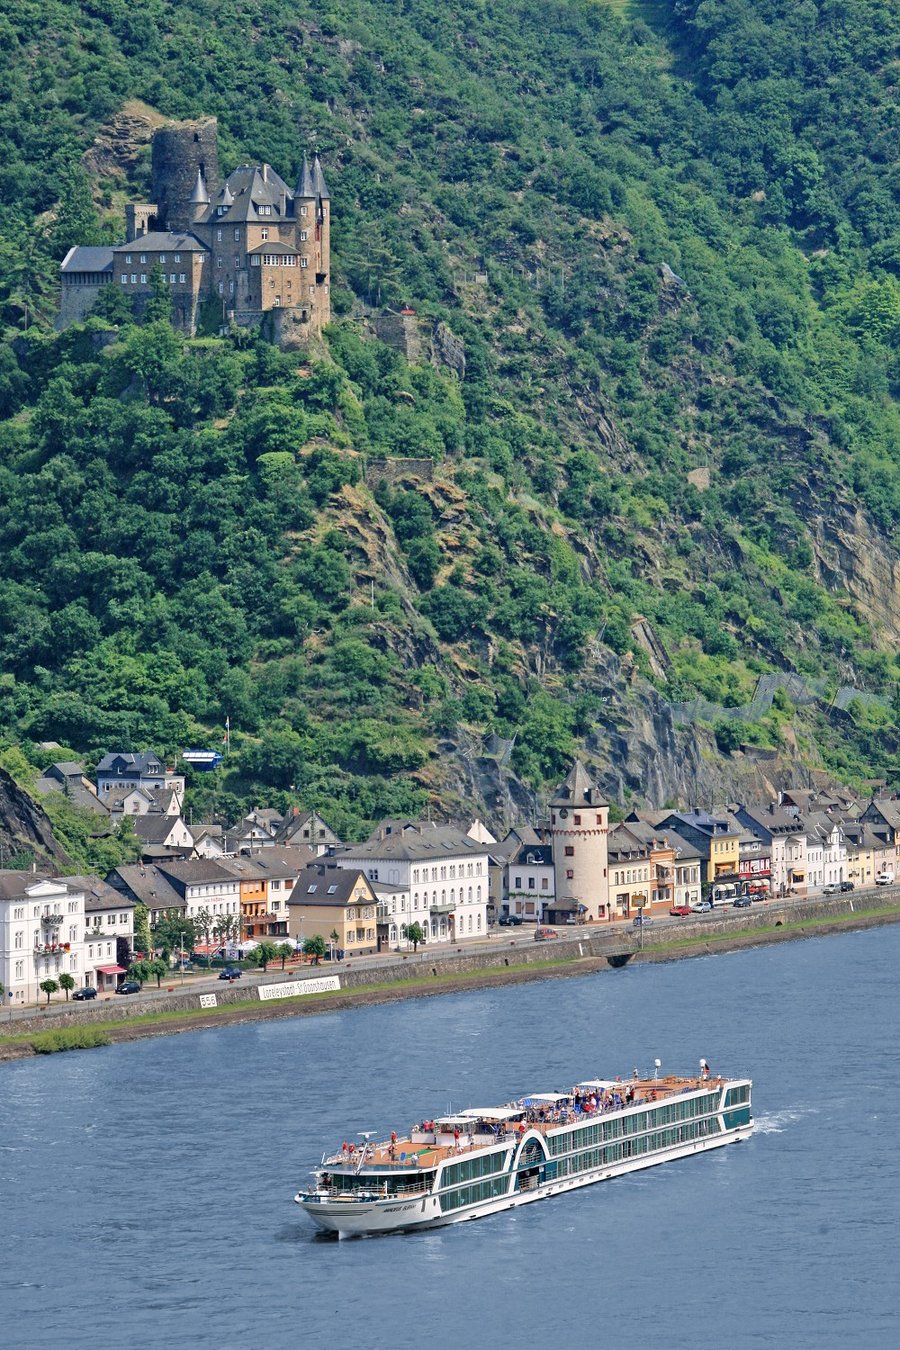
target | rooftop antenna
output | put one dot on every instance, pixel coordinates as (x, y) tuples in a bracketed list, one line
[(657, 1066)]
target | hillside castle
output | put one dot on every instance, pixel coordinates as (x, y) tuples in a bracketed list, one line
[(249, 243)]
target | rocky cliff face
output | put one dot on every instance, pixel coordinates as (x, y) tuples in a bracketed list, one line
[(24, 828)]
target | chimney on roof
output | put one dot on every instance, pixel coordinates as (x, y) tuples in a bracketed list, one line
[(265, 173)]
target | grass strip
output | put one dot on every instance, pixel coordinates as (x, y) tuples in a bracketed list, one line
[(67, 1038)]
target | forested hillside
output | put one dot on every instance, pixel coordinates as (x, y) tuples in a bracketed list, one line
[(668, 236)]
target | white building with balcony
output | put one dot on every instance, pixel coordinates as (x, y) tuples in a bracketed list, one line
[(444, 870), (41, 935)]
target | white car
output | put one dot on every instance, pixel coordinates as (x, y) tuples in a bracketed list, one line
[(884, 879)]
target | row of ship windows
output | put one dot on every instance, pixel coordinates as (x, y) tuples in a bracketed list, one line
[(472, 1195), (632, 1148), (621, 1125), (482, 1166)]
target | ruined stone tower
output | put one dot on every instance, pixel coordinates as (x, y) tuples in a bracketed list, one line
[(180, 151)]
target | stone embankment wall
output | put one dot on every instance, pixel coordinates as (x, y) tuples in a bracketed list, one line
[(573, 945)]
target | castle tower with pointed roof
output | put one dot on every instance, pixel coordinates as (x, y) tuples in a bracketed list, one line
[(579, 833)]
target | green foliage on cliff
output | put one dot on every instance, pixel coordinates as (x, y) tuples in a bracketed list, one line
[(691, 237)]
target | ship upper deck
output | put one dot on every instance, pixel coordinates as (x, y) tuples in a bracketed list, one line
[(446, 1137)]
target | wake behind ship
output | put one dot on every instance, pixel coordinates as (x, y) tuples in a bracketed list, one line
[(486, 1159)]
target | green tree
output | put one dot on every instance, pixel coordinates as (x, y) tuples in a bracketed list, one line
[(227, 928), (173, 931), (49, 987), (205, 922), (263, 953), (142, 942), (414, 933), (67, 983), (285, 950), (314, 947), (157, 968), (143, 970)]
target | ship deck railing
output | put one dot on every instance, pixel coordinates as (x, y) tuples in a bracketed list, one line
[(421, 1149)]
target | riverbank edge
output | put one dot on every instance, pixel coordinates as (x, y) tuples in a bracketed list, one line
[(367, 994)]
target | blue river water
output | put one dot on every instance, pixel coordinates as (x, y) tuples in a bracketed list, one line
[(146, 1188)]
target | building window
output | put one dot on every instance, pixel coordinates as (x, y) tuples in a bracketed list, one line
[(134, 278), (518, 883), (304, 262), (172, 278), (162, 257), (143, 278), (218, 236), (569, 851), (264, 233), (20, 970), (577, 820), (570, 875), (182, 277), (128, 257), (143, 258), (237, 236), (219, 262), (176, 257), (303, 211)]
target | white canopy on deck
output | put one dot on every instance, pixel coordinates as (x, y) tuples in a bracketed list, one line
[(492, 1112)]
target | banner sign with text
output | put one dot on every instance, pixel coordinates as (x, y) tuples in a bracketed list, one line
[(291, 988)]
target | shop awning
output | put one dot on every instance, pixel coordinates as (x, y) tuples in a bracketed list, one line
[(111, 970)]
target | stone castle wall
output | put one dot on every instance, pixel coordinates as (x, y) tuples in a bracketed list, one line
[(179, 150)]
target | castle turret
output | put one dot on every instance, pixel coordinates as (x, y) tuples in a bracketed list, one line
[(199, 197), (181, 151), (579, 831), (305, 184)]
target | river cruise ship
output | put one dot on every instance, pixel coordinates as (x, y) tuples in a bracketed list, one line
[(475, 1162)]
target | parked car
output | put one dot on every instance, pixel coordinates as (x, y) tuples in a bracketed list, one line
[(680, 911), (510, 920), (832, 888), (701, 907), (82, 995), (128, 987), (230, 973), (641, 921), (742, 902), (545, 934), (884, 879), (846, 885)]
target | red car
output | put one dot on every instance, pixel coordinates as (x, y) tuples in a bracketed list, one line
[(680, 911)]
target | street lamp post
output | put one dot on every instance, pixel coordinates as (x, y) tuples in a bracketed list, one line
[(639, 900)]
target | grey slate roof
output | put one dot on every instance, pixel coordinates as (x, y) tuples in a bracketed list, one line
[(243, 191), (98, 894), (319, 180), (86, 258), (270, 863), (132, 763), (417, 841), (147, 885), (306, 185), (325, 884), (163, 241), (577, 789), (153, 828)]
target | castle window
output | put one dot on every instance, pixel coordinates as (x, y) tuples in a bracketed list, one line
[(577, 820), (254, 262), (277, 302), (124, 279), (162, 257), (218, 236), (304, 235), (143, 257), (182, 277), (231, 288), (143, 278), (570, 875), (128, 257), (303, 210), (218, 262), (176, 257), (237, 236), (290, 260), (172, 278), (237, 263), (569, 851), (264, 233), (221, 287), (304, 262), (134, 278)]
